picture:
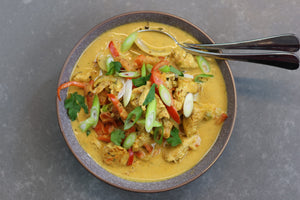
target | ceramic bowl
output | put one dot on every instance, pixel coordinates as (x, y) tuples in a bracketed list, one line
[(88, 162)]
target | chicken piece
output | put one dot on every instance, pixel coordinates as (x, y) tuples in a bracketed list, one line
[(142, 138), (114, 155), (139, 95), (168, 124), (161, 110), (185, 85), (192, 123), (170, 81), (117, 86), (183, 59), (103, 82), (176, 154), (85, 76)]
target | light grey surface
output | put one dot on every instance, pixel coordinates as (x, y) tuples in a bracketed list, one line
[(262, 159)]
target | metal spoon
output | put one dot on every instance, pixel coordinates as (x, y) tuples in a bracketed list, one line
[(286, 60)]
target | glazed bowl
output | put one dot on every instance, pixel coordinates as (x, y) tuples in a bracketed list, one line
[(83, 156)]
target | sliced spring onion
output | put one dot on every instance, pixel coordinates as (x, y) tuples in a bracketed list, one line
[(129, 140), (128, 42), (155, 124), (149, 67), (122, 92), (137, 112), (188, 105), (144, 72), (158, 134), (188, 76), (129, 74), (165, 68), (203, 64), (198, 77), (150, 115), (176, 71), (165, 95), (141, 81), (94, 117), (108, 61), (151, 95), (128, 91)]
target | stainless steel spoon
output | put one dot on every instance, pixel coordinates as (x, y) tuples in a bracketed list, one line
[(286, 60)]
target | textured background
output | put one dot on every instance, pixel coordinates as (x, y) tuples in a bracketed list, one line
[(262, 159)]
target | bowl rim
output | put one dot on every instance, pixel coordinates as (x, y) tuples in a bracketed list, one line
[(229, 131)]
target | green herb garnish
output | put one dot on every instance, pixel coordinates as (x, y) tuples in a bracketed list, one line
[(141, 81), (117, 136), (74, 104), (150, 95), (137, 112), (174, 139), (114, 67), (158, 134), (88, 132)]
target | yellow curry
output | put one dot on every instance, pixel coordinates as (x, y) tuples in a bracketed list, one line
[(145, 113)]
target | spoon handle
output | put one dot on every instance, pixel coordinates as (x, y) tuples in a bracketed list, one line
[(279, 59), (285, 42)]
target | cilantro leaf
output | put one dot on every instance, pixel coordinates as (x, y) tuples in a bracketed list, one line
[(117, 136), (137, 82), (174, 139), (74, 104), (150, 95), (113, 68)]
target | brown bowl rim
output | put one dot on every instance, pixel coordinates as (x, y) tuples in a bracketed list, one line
[(229, 131)]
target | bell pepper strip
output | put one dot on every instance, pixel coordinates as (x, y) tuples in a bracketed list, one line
[(104, 138), (113, 50), (131, 156), (222, 118), (123, 113), (99, 129), (173, 113), (68, 84), (148, 147)]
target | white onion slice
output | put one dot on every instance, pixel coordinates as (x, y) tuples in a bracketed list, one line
[(188, 76), (188, 105), (128, 91)]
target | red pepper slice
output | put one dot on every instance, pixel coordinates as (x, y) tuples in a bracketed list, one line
[(118, 106), (104, 138), (222, 118), (113, 50), (131, 156), (173, 113), (68, 84)]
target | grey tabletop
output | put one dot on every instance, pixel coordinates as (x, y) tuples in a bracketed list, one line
[(262, 159)]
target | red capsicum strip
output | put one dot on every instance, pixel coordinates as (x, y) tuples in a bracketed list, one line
[(131, 156), (68, 84), (118, 106), (157, 79), (113, 50)]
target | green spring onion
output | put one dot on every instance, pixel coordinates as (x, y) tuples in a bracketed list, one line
[(150, 115), (165, 95), (129, 74), (198, 77), (144, 72), (94, 117), (176, 71), (129, 140), (155, 124), (137, 112), (151, 95), (128, 42), (158, 131), (165, 68), (203, 64), (188, 105), (149, 68)]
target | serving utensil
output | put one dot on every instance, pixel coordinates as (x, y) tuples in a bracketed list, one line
[(281, 47)]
